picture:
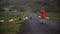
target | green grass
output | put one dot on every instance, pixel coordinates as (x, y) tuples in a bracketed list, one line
[(13, 27), (55, 16), (9, 28), (11, 14)]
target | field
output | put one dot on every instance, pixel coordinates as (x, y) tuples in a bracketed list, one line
[(13, 27), (10, 27)]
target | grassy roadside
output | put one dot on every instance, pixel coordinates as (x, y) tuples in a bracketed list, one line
[(51, 15), (10, 27)]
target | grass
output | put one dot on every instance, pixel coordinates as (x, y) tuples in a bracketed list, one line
[(55, 16), (11, 14), (10, 28)]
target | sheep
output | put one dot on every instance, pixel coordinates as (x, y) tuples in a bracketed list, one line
[(39, 16), (25, 18), (1, 21), (11, 20), (20, 18), (47, 17)]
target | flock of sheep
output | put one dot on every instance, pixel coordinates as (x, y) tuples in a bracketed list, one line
[(14, 19), (10, 20)]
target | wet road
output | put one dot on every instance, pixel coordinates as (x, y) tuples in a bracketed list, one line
[(33, 26)]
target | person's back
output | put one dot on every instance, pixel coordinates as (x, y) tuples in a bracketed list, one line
[(42, 13)]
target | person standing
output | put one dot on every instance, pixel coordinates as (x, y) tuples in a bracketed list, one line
[(42, 12), (42, 15)]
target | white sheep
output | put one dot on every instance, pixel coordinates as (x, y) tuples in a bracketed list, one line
[(39, 16), (2, 21), (25, 18), (11, 20), (47, 17)]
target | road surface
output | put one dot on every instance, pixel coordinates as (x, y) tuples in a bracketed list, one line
[(33, 26)]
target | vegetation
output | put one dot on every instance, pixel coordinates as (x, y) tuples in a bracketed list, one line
[(10, 27)]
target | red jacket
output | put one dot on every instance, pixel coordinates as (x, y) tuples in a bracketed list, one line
[(42, 13)]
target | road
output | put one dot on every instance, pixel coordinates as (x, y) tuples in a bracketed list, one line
[(33, 26)]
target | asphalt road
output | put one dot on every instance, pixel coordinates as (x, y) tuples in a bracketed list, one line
[(34, 26)]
